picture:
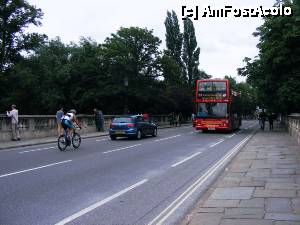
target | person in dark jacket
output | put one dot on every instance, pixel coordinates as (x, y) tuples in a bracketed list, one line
[(271, 118), (262, 119), (97, 120), (101, 119)]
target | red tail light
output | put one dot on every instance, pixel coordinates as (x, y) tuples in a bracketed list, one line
[(130, 125)]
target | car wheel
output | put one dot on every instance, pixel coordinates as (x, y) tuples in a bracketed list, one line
[(113, 137), (138, 135), (154, 132)]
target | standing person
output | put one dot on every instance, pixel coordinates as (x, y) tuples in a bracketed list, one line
[(59, 114), (178, 119), (101, 119), (172, 118), (14, 115), (262, 119), (271, 119), (97, 119)]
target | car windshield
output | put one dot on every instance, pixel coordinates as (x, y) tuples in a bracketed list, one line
[(123, 120)]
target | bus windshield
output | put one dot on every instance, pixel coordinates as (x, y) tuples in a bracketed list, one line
[(212, 110)]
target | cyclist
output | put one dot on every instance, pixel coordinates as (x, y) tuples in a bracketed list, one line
[(67, 122)]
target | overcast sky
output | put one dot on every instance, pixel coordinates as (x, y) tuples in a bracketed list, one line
[(224, 42)]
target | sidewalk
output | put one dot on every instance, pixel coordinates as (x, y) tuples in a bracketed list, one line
[(37, 141), (261, 186)]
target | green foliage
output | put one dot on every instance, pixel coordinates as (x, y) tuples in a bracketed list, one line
[(171, 71), (15, 16), (276, 72), (132, 54), (88, 74), (173, 37), (247, 98), (190, 53)]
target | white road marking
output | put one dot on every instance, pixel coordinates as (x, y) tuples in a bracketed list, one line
[(35, 150), (186, 159), (168, 138), (36, 168), (98, 204), (216, 143), (120, 149), (231, 136), (102, 140), (163, 216)]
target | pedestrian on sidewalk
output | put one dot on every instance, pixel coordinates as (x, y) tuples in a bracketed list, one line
[(59, 114), (99, 120), (271, 118), (262, 119), (14, 115)]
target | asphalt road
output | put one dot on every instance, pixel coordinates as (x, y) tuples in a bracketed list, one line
[(149, 181)]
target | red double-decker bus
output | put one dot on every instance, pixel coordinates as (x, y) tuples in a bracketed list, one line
[(216, 106)]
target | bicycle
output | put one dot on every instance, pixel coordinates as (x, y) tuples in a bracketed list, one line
[(63, 140)]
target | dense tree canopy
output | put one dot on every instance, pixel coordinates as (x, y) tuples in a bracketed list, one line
[(276, 71), (126, 72), (190, 52), (173, 37), (15, 16)]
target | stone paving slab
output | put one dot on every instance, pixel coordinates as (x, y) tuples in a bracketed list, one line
[(261, 186), (233, 193)]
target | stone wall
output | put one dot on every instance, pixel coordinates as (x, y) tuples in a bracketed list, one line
[(294, 125), (39, 126)]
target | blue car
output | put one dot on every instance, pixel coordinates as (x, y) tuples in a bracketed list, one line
[(131, 126)]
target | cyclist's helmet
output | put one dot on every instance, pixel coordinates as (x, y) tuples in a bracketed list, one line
[(72, 111)]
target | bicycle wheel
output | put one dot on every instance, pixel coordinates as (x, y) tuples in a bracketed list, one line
[(76, 140), (62, 143)]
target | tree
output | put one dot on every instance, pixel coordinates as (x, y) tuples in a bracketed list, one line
[(204, 75), (133, 54), (173, 37), (190, 52), (15, 16), (171, 71), (275, 73)]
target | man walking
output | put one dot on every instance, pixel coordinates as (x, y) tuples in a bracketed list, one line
[(99, 120), (271, 119), (101, 117), (14, 115), (59, 115), (262, 119)]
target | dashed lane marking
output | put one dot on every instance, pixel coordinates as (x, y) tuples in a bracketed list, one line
[(98, 204), (35, 150), (213, 145), (162, 139), (120, 149), (186, 159), (36, 168)]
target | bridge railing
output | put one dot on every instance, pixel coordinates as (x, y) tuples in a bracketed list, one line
[(294, 125), (39, 126)]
